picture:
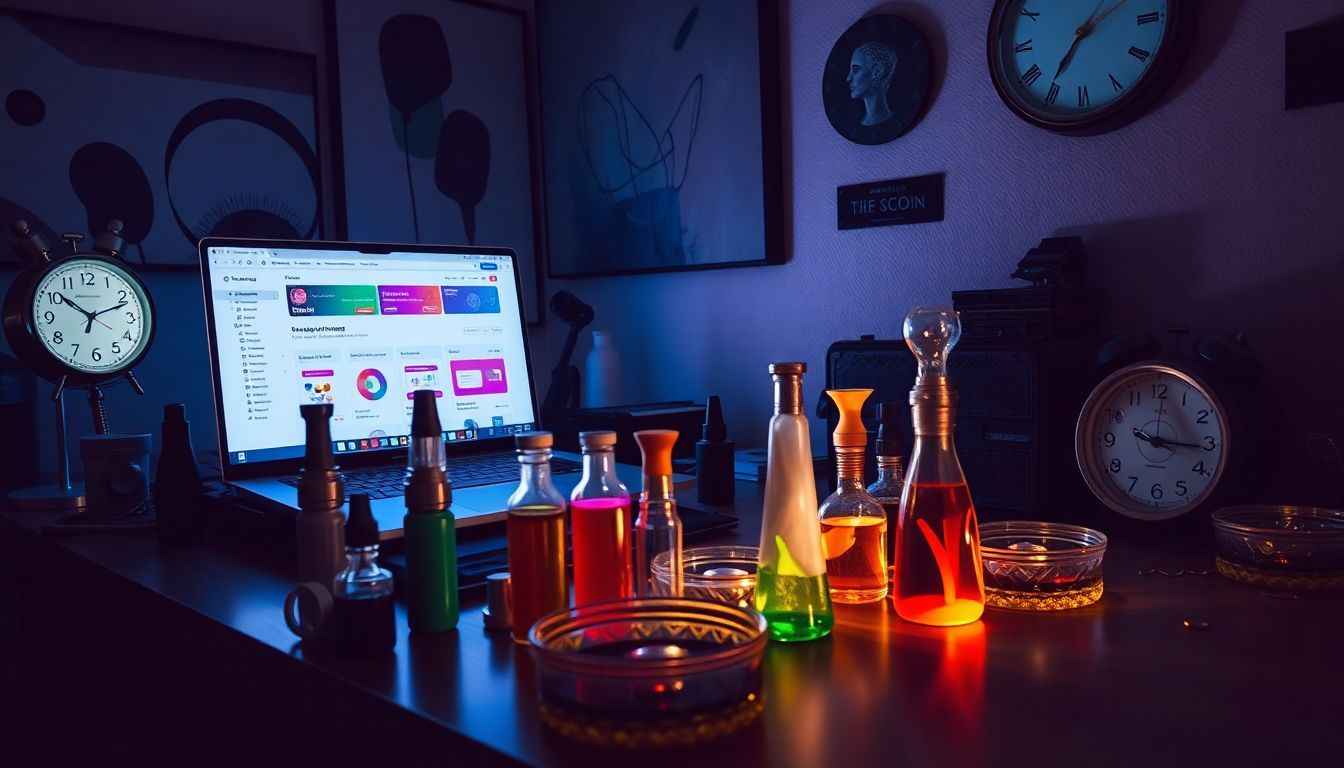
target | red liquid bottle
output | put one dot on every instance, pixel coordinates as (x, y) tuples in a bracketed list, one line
[(938, 577), (536, 536), (600, 521)]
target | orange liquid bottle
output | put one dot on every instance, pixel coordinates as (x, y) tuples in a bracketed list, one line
[(938, 577)]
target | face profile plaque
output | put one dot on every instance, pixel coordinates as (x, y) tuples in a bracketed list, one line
[(876, 79)]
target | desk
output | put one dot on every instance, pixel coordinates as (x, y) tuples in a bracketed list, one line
[(180, 655)]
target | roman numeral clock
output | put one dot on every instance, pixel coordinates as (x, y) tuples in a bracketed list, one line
[(1085, 67)]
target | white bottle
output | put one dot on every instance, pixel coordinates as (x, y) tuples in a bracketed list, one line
[(602, 373)]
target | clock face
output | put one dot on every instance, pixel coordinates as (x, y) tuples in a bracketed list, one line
[(92, 316), (1073, 65), (1152, 441)]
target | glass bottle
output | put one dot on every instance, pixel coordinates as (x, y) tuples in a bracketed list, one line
[(792, 591), (536, 536), (599, 521), (938, 578), (853, 523), (429, 527), (364, 612), (890, 472), (658, 529)]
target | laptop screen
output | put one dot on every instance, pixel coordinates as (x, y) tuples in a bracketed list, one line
[(362, 330)]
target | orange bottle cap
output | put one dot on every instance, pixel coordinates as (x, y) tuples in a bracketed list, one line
[(850, 432), (655, 445)]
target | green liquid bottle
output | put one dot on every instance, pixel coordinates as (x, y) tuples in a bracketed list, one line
[(791, 587)]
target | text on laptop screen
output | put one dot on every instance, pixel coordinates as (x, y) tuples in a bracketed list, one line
[(362, 332)]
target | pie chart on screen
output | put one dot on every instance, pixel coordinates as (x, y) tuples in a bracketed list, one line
[(371, 384)]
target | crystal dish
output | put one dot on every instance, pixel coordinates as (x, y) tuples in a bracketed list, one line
[(1281, 547), (1036, 566), (648, 672), (718, 574)]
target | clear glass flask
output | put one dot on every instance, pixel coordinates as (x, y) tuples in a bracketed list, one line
[(600, 525), (890, 483), (536, 536), (658, 528), (853, 523)]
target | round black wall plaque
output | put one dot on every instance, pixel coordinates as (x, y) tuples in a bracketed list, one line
[(876, 79)]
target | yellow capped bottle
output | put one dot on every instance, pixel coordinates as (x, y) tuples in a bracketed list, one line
[(853, 523)]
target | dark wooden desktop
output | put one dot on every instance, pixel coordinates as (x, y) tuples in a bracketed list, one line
[(134, 651)]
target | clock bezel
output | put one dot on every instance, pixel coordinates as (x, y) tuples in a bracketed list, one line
[(1085, 450), (21, 330), (1138, 99)]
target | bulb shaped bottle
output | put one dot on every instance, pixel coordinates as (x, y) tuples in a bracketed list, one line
[(853, 523), (938, 577), (792, 590)]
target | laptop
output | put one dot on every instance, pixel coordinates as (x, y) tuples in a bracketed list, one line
[(361, 326)]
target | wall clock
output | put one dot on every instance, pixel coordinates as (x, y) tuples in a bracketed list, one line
[(1158, 439), (1087, 66), (876, 79)]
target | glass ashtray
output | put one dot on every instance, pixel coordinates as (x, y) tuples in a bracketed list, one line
[(718, 574), (1281, 547), (1036, 566), (648, 672)]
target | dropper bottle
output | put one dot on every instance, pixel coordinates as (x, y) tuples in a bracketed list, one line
[(320, 540), (853, 523), (938, 572), (364, 613), (792, 591), (430, 533), (658, 528)]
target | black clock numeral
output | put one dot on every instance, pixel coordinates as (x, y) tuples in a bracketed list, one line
[(1198, 468), (1031, 75), (86, 278), (1115, 466), (1139, 53), (1155, 491), (76, 353), (116, 347), (1160, 391), (107, 282), (1203, 417), (1181, 490), (1132, 482), (1134, 397), (67, 282), (1108, 439), (127, 336), (1148, 18), (1025, 45), (96, 355), (121, 295), (130, 317), (1053, 94), (1083, 100), (58, 338), (49, 317), (1029, 14), (1115, 84), (1209, 443), (1183, 396), (53, 297)]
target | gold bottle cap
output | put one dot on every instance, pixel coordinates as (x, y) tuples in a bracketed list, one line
[(788, 369), (850, 432)]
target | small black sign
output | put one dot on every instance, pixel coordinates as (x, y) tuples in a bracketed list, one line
[(915, 200)]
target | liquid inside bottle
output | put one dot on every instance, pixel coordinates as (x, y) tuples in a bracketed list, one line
[(796, 606), (601, 532), (856, 557), (938, 574), (536, 536)]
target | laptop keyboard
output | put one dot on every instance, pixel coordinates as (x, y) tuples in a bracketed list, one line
[(464, 472)]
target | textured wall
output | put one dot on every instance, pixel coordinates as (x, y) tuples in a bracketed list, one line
[(1218, 211)]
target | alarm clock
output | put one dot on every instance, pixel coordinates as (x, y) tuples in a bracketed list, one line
[(1159, 439), (81, 319)]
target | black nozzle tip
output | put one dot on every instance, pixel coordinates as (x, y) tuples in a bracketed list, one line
[(889, 441), (321, 411), (715, 428), (361, 530), (175, 412), (425, 415)]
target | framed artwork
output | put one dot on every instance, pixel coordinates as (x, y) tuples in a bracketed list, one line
[(178, 137), (434, 114), (662, 135)]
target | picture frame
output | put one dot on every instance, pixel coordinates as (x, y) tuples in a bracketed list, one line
[(642, 177), (177, 136), (432, 107)]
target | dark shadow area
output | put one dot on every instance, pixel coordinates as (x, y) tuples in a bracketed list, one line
[(926, 21), (1213, 27)]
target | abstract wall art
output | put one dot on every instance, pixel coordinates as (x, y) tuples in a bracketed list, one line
[(662, 134), (178, 137)]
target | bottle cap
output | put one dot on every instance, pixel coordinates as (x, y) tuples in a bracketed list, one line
[(317, 436), (361, 530), (715, 428), (850, 432), (531, 441), (599, 439), (788, 369), (425, 414), (889, 441), (655, 445), (496, 611), (175, 413)]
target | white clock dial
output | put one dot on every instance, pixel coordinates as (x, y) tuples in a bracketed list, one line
[(1152, 441), (92, 316)]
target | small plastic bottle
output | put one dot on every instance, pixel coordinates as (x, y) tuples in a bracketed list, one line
[(658, 528), (364, 609), (600, 525), (536, 536), (602, 373), (429, 527), (319, 541)]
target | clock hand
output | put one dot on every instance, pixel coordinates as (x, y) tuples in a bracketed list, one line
[(1083, 31), (89, 317), (1160, 442), (1091, 25), (110, 309)]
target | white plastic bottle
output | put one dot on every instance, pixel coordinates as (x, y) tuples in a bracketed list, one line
[(602, 373)]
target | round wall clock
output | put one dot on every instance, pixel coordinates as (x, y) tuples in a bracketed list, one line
[(1085, 67), (876, 79)]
